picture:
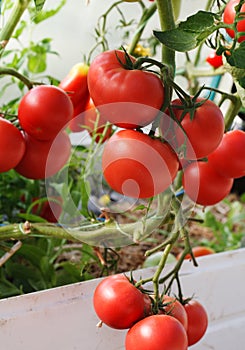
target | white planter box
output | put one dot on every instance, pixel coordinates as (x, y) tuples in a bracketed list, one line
[(63, 318)]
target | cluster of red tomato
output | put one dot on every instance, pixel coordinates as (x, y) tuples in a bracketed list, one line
[(139, 165), (120, 305), (42, 147)]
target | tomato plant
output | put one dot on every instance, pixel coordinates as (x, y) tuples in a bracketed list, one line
[(176, 143), (125, 96), (229, 18), (157, 332), (197, 321), (44, 111), (43, 159), (137, 165), (118, 303), (12, 145)]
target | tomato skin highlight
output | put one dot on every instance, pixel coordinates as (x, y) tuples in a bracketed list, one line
[(43, 159), (203, 133), (157, 332), (229, 157), (118, 303), (12, 145), (197, 321), (229, 17), (138, 166), (204, 185), (128, 98), (44, 111)]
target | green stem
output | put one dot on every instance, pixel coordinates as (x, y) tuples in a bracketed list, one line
[(14, 18), (147, 14), (16, 74), (232, 111), (166, 17), (98, 234)]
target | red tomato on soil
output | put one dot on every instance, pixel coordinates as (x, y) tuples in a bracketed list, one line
[(197, 321), (157, 332), (128, 98), (44, 111), (12, 145), (138, 166), (118, 303), (229, 158), (203, 133), (229, 17), (43, 159), (204, 185)]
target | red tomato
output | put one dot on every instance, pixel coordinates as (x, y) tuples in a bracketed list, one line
[(204, 185), (175, 309), (138, 166), (198, 251), (229, 16), (157, 332), (229, 158), (203, 133), (12, 145), (93, 123), (50, 209), (44, 111), (43, 159), (76, 86), (118, 303), (128, 98), (197, 321), (214, 60), (76, 124)]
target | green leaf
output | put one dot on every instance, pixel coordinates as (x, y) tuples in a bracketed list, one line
[(237, 57), (42, 15), (190, 33), (39, 4)]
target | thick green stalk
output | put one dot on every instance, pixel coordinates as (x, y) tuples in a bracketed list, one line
[(14, 18), (166, 17)]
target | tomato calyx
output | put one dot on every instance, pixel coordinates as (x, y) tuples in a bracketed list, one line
[(189, 104), (139, 63)]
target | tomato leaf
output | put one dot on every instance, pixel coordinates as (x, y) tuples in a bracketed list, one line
[(43, 15), (190, 33), (237, 57), (39, 4)]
